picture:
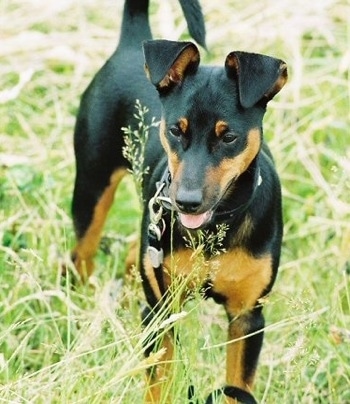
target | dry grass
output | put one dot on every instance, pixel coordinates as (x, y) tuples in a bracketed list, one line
[(84, 345)]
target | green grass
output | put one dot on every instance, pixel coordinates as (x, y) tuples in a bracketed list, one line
[(59, 344)]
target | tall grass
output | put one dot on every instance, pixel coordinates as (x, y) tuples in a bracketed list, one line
[(59, 344)]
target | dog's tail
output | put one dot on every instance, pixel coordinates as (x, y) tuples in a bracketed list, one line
[(136, 27), (195, 20), (135, 23)]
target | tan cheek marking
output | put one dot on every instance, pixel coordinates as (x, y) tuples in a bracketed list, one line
[(88, 244), (241, 162), (173, 160), (222, 175), (240, 278), (220, 128), (163, 139), (231, 168), (175, 168)]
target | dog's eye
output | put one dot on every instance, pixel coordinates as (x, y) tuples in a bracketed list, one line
[(229, 137), (175, 131)]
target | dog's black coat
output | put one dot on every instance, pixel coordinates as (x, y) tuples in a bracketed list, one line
[(211, 146)]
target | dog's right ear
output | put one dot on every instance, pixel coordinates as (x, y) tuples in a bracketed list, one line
[(167, 62)]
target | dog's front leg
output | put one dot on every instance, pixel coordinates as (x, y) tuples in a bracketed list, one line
[(245, 337), (159, 350), (159, 376)]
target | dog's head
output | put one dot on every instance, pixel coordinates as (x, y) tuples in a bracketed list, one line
[(211, 126)]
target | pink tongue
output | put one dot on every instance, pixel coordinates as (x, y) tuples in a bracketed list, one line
[(194, 221)]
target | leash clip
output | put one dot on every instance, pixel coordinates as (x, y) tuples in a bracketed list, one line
[(155, 250), (165, 202), (155, 213), (154, 206), (156, 229)]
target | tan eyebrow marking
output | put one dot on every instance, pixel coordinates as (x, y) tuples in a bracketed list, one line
[(183, 124), (220, 128)]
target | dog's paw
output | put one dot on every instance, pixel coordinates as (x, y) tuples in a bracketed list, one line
[(191, 395), (236, 393), (213, 396)]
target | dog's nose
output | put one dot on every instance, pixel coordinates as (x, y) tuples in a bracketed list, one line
[(189, 201)]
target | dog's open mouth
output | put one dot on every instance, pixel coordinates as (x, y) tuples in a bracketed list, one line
[(195, 221)]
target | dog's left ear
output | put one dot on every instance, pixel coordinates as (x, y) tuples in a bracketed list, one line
[(259, 77), (167, 62)]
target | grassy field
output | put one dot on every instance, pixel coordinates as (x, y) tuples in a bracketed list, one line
[(84, 345)]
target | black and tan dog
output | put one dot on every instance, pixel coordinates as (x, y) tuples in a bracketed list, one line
[(208, 165)]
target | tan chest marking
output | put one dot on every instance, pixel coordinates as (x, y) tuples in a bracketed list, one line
[(240, 278), (188, 265), (236, 275)]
